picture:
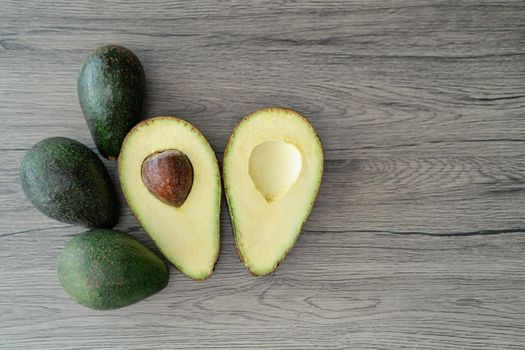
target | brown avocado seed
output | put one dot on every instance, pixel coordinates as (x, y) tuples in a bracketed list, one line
[(168, 175)]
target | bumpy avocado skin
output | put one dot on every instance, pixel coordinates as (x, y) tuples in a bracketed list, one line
[(108, 269), (111, 88), (66, 181)]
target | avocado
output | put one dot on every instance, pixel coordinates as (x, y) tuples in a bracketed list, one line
[(272, 170), (111, 89), (108, 269), (66, 181), (170, 177)]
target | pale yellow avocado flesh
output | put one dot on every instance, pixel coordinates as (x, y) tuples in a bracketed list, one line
[(187, 236), (272, 168)]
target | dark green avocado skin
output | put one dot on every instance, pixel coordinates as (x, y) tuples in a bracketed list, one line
[(111, 89), (108, 269), (66, 181)]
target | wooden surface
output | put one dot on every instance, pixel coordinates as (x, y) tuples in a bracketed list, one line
[(417, 238)]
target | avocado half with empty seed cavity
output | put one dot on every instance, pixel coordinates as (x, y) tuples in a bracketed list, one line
[(171, 180), (272, 167)]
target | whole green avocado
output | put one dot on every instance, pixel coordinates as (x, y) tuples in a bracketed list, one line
[(108, 269), (66, 180), (111, 88)]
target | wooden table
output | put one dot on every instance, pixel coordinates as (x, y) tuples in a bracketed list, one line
[(417, 238)]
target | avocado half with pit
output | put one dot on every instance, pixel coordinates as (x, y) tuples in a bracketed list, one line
[(273, 165), (171, 180)]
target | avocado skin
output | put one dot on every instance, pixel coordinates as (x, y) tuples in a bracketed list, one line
[(66, 181), (111, 88), (107, 269)]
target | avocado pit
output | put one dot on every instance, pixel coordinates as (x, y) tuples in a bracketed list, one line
[(168, 175)]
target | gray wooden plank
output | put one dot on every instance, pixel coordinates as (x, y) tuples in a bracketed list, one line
[(416, 239), (336, 290), (450, 196), (363, 75)]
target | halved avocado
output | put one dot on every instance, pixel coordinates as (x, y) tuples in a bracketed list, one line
[(273, 165), (171, 180)]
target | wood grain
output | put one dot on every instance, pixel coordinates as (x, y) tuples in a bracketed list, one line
[(417, 237)]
